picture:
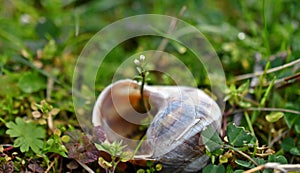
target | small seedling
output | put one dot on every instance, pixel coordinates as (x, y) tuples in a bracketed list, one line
[(116, 152), (142, 78)]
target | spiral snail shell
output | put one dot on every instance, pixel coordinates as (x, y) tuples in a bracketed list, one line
[(173, 136)]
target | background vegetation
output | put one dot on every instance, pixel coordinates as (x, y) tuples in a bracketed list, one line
[(41, 40)]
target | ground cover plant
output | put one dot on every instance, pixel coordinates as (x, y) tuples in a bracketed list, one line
[(258, 43)]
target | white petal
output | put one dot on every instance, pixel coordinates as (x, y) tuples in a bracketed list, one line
[(142, 57)]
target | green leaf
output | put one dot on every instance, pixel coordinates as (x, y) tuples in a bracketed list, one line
[(287, 144), (103, 147), (274, 116), (280, 159), (295, 151), (54, 145), (243, 87), (211, 139), (139, 69), (290, 118), (114, 149), (238, 171), (31, 82), (229, 169), (243, 163), (28, 135), (259, 161), (238, 136), (297, 128), (244, 104), (214, 169)]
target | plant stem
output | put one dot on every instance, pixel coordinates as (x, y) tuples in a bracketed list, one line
[(142, 89), (249, 123), (263, 101), (138, 146), (143, 99)]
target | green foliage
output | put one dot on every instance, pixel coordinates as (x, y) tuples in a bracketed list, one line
[(240, 142), (235, 96), (237, 136), (28, 135), (214, 169), (289, 145), (291, 120), (54, 145), (212, 140), (115, 150), (31, 82)]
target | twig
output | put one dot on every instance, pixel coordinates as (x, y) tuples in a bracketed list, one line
[(277, 138), (275, 166), (275, 109), (279, 83), (7, 145), (172, 26), (242, 153), (248, 157), (266, 109), (260, 167), (250, 75), (50, 84), (88, 169), (163, 44), (50, 166)]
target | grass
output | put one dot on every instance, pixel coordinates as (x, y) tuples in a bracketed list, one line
[(40, 42)]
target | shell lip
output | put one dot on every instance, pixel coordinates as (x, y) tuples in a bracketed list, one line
[(96, 111)]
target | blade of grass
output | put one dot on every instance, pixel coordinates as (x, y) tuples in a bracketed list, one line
[(258, 92), (263, 101), (265, 31), (249, 123)]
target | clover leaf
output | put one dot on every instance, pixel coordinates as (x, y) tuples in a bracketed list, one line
[(28, 135), (211, 139), (238, 136)]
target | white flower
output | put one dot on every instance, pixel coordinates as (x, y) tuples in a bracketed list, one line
[(137, 62), (142, 57)]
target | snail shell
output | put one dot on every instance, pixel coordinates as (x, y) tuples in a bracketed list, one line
[(173, 136)]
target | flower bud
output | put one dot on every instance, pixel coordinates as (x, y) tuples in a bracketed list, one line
[(142, 57), (137, 62)]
